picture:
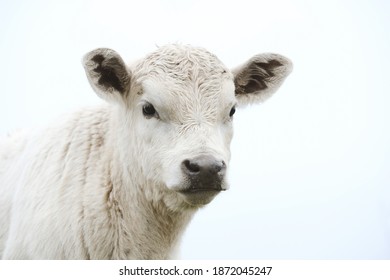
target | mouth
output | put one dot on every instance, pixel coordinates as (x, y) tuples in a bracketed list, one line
[(197, 190), (199, 197)]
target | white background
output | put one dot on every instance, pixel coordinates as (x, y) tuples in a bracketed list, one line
[(310, 168)]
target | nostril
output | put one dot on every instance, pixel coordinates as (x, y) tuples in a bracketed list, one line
[(218, 166), (191, 166), (222, 167)]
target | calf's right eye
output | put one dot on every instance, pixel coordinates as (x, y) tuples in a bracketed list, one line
[(149, 111)]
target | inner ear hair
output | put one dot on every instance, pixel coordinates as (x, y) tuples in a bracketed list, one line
[(107, 71), (262, 73), (110, 70), (256, 76)]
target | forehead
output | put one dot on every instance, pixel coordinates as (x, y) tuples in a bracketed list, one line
[(180, 62), (184, 71)]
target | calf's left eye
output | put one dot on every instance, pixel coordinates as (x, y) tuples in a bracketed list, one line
[(232, 111)]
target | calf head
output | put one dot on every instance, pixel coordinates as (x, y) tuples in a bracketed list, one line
[(175, 111)]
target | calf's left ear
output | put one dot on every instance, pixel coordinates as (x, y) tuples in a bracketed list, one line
[(107, 74), (258, 78)]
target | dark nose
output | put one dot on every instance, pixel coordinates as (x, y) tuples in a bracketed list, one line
[(204, 172)]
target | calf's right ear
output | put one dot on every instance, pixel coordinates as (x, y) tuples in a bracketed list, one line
[(107, 74)]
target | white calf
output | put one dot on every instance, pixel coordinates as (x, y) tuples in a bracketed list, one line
[(123, 180)]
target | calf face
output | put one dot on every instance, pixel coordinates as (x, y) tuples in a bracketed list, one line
[(176, 110)]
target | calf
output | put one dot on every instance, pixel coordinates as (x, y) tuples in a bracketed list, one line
[(122, 181)]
